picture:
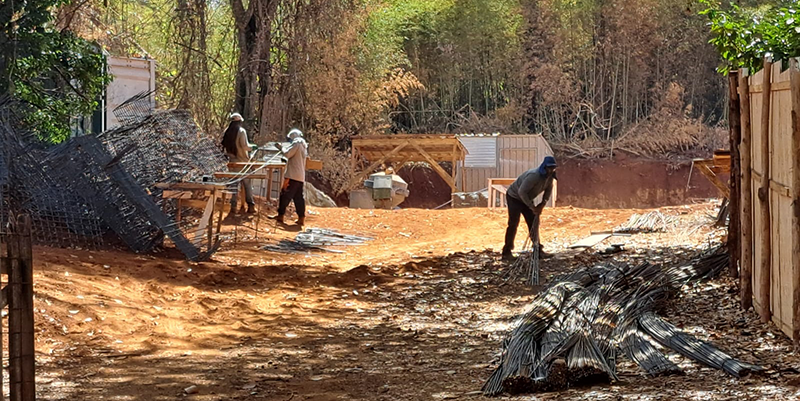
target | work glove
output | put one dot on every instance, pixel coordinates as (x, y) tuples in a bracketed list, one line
[(538, 208), (254, 147)]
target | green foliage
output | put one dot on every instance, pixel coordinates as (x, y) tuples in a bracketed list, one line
[(62, 82), (744, 36), (56, 73)]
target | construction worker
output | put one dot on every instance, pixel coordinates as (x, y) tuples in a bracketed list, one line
[(520, 199), (295, 177), (238, 148)]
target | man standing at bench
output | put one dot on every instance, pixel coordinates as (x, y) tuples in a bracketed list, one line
[(295, 177), (520, 199)]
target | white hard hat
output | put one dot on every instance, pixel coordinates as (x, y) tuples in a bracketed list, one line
[(236, 117), (294, 133)]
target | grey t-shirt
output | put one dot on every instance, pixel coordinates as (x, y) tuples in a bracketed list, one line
[(529, 185)]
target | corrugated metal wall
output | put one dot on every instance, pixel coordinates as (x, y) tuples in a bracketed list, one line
[(481, 151), (513, 154)]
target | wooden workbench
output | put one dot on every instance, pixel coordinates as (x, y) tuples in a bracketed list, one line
[(203, 196), (256, 171)]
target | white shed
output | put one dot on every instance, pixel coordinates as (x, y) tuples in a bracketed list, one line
[(500, 156)]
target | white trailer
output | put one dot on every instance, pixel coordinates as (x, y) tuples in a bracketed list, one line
[(131, 76)]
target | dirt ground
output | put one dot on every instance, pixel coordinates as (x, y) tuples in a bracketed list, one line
[(417, 314)]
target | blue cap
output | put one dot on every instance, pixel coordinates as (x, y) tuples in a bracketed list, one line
[(549, 161)]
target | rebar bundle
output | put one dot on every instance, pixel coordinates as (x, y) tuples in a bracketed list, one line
[(576, 326), (527, 264)]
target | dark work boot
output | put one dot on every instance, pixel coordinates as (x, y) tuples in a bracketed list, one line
[(508, 256), (251, 209), (301, 221)]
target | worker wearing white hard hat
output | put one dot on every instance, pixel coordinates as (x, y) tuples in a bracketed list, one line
[(295, 177), (238, 148)]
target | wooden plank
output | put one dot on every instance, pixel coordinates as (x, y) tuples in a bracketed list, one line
[(22, 373), (763, 196), (224, 196), (777, 87), (500, 188), (436, 167), (784, 256), (590, 241), (780, 189), (703, 167), (255, 175), (255, 165), (313, 164), (205, 221), (190, 185), (176, 194), (776, 296), (794, 69), (359, 138)]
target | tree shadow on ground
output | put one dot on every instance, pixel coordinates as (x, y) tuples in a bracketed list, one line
[(430, 328)]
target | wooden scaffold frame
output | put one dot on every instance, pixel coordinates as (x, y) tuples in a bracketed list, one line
[(397, 150)]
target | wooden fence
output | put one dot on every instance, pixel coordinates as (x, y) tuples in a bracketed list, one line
[(16, 261), (769, 187)]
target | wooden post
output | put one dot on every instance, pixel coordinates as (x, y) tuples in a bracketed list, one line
[(733, 205), (764, 199), (454, 164), (746, 243), (463, 162), (22, 383), (795, 80)]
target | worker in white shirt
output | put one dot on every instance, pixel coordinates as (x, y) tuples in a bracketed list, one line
[(238, 148), (295, 177)]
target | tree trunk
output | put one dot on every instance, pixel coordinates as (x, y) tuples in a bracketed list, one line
[(765, 282), (746, 275), (254, 72), (735, 137)]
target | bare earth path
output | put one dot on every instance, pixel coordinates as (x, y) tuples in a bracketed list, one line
[(419, 314)]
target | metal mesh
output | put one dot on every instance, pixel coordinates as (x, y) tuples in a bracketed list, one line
[(134, 109), (76, 191), (84, 164), (59, 215), (166, 146)]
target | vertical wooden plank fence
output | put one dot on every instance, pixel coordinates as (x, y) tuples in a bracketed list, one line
[(769, 230), (16, 261)]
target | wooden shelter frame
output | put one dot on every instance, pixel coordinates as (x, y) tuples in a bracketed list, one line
[(397, 150)]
